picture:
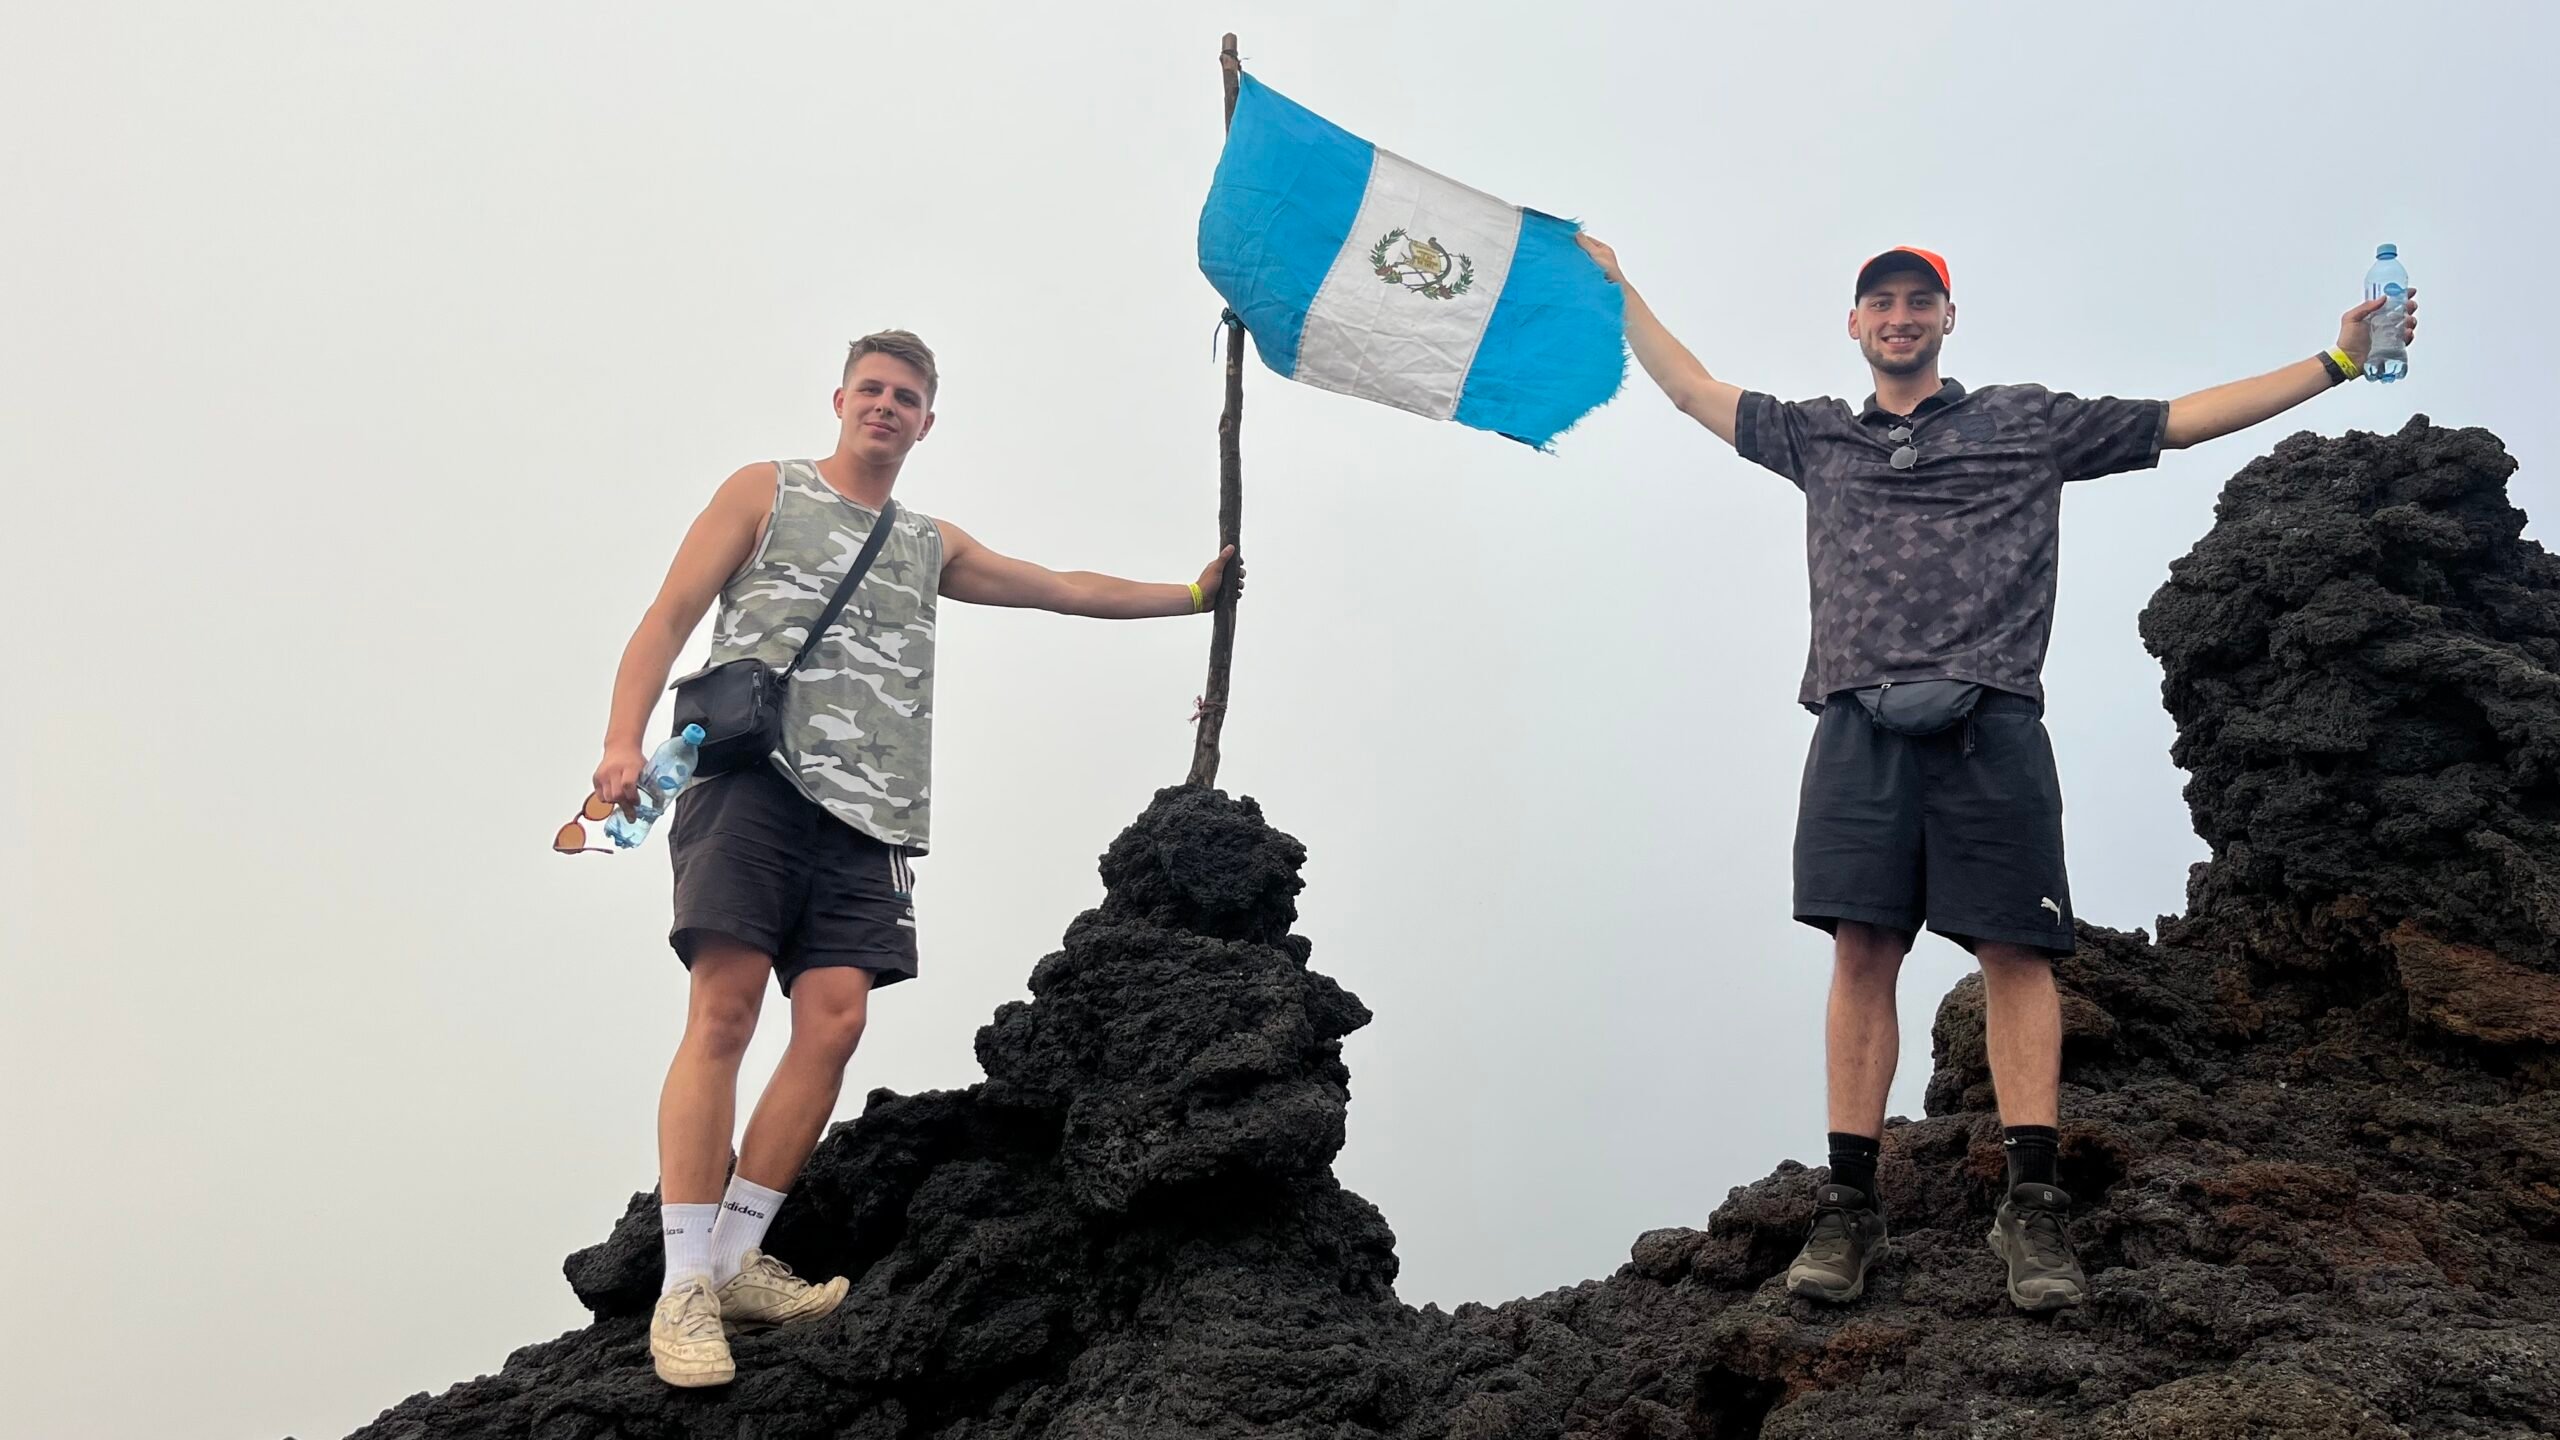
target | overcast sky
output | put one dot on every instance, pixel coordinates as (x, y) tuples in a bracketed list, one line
[(360, 368)]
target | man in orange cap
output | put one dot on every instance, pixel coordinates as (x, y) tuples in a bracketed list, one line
[(1930, 796)]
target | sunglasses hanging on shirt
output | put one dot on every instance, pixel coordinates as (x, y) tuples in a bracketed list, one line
[(1909, 454)]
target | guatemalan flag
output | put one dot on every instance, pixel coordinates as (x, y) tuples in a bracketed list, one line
[(1357, 270)]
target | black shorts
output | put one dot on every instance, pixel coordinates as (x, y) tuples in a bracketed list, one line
[(761, 863), (1961, 829)]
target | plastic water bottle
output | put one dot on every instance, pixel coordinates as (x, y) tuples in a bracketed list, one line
[(669, 767), (2388, 283)]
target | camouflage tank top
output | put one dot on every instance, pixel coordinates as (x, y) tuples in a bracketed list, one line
[(857, 720)]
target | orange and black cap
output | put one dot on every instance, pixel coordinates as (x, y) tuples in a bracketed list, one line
[(1902, 258)]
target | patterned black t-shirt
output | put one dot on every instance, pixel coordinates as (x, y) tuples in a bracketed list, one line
[(1943, 570)]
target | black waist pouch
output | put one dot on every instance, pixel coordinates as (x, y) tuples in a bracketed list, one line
[(1919, 707)]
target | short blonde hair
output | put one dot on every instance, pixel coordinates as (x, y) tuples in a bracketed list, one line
[(898, 345)]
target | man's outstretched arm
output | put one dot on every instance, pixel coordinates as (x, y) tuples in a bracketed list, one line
[(980, 576), (1701, 396), (2211, 414)]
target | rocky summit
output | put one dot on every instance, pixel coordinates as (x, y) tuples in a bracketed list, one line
[(2311, 1122)]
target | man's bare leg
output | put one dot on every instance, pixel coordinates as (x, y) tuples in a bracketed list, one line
[(1863, 1033), (2023, 1027), (827, 1010), (828, 1007), (697, 1109), (1863, 1038)]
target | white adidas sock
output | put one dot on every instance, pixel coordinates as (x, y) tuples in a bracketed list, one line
[(689, 1229), (746, 1212)]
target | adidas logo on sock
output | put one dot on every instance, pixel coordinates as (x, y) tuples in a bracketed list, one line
[(741, 1209)]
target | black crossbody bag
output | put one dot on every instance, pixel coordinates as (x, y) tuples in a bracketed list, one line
[(738, 703)]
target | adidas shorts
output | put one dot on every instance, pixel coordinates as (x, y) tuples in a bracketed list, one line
[(760, 862)]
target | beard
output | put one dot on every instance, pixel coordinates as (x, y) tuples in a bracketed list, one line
[(1922, 356)]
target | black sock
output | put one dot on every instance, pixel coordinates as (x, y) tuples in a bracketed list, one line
[(1853, 1163), (2031, 1154)]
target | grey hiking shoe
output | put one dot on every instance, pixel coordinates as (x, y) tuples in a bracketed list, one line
[(2027, 1233), (1847, 1238)]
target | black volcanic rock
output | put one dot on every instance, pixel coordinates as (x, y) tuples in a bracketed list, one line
[(1130, 1227), (2311, 1125), (2363, 658)]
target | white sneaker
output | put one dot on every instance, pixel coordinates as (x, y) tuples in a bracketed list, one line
[(767, 1293), (685, 1340)]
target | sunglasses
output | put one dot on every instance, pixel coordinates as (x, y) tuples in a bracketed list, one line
[(1909, 454), (572, 839)]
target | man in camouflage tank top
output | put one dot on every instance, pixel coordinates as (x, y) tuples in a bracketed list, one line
[(1930, 794), (799, 870)]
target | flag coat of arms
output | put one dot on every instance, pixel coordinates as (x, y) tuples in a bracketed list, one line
[(1359, 271)]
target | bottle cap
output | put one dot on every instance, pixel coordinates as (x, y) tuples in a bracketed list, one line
[(2387, 252), (693, 735)]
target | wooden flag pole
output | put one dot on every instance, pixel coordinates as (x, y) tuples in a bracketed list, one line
[(1222, 634)]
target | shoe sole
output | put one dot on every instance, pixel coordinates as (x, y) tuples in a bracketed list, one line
[(692, 1379), (2058, 1300)]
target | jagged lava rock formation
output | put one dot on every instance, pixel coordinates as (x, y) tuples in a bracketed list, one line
[(2311, 1124)]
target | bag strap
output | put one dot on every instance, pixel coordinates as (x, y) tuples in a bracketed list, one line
[(844, 588)]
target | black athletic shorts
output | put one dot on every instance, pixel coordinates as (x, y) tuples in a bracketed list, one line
[(1961, 829), (760, 862)]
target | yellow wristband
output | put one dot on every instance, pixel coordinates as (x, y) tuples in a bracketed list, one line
[(1198, 601), (2348, 369)]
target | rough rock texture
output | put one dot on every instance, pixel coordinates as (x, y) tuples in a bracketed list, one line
[(2363, 659), (2311, 1125)]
